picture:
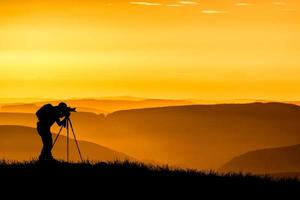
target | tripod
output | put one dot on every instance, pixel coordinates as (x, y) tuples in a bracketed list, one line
[(68, 124)]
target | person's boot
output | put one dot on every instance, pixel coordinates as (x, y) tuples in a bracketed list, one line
[(47, 159), (51, 159), (42, 160), (54, 161)]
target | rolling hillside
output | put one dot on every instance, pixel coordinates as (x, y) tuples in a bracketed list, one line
[(195, 136), (281, 161), (23, 143)]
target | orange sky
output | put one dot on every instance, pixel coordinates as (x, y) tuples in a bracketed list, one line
[(209, 49)]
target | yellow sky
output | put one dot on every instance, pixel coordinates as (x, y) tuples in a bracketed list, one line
[(207, 49)]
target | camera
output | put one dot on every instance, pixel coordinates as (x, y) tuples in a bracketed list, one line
[(69, 110)]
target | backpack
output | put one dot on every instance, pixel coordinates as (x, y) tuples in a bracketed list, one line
[(44, 112)]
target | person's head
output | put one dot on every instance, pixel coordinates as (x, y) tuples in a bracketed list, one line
[(62, 107)]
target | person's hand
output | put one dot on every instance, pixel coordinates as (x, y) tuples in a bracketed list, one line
[(64, 123)]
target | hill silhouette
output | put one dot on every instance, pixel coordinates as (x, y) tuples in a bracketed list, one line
[(281, 161), (126, 178), (194, 136), (23, 143)]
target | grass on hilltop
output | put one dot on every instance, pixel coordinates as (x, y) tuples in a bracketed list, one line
[(133, 174)]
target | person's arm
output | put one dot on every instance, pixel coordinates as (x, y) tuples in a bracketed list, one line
[(61, 122), (64, 121)]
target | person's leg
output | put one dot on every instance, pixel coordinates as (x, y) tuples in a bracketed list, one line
[(43, 155), (48, 146), (46, 137), (41, 133)]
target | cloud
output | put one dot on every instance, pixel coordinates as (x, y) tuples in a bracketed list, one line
[(215, 11), (243, 4), (289, 9), (188, 2), (144, 3), (174, 5), (279, 3)]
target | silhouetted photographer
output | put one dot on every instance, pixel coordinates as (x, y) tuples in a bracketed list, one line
[(47, 116)]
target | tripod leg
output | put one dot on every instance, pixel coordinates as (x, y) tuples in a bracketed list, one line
[(56, 138), (76, 141), (67, 140)]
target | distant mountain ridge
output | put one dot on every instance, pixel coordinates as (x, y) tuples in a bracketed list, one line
[(97, 105)]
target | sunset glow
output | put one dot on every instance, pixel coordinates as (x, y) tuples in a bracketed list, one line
[(207, 49)]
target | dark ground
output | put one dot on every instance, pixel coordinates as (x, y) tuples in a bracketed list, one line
[(135, 179)]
